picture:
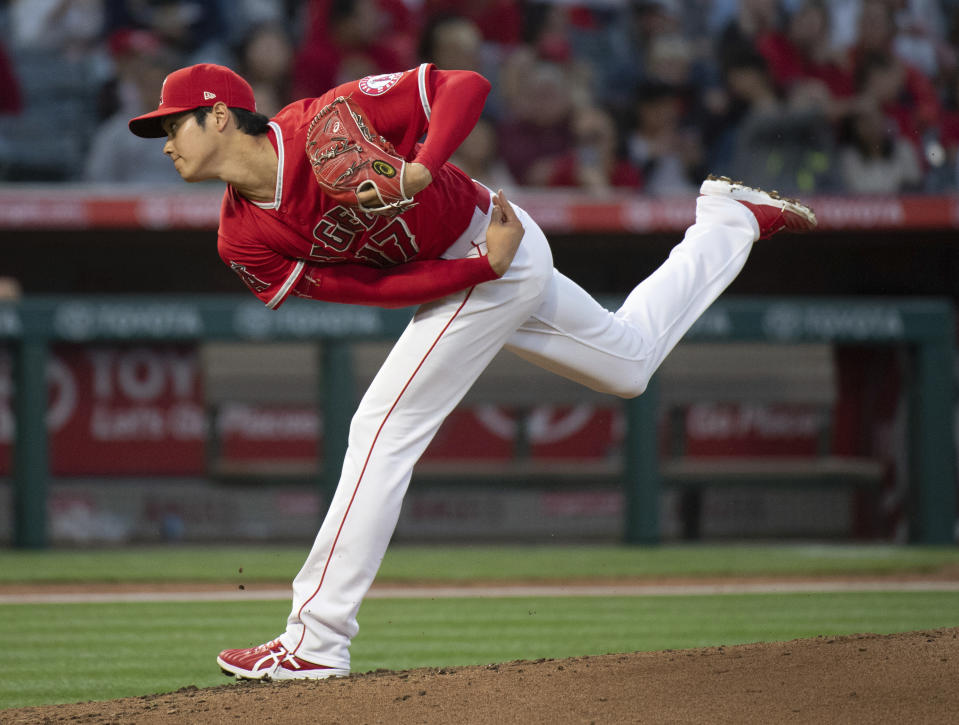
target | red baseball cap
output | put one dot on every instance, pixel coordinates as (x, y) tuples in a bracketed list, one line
[(195, 86)]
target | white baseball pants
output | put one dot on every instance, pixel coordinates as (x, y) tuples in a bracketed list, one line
[(542, 316)]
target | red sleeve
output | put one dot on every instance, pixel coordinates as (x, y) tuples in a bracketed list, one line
[(407, 284), (444, 105), (457, 101), (269, 275)]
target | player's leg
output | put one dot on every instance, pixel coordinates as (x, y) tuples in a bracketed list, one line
[(438, 357), (571, 334)]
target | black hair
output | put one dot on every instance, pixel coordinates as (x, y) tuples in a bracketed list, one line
[(248, 122), (744, 57), (652, 90), (340, 10), (869, 63)]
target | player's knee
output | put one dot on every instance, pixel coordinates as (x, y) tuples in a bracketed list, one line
[(626, 388), (631, 392), (632, 386)]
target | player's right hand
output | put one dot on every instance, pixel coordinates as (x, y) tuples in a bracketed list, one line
[(504, 234), (416, 177)]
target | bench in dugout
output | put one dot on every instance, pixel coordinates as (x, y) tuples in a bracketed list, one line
[(742, 374), (756, 374)]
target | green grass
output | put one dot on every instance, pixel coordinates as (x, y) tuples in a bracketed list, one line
[(69, 653), (464, 563)]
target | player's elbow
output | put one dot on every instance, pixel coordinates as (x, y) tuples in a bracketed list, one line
[(483, 86), (466, 83)]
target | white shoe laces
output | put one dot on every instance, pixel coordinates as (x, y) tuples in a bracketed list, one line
[(277, 656)]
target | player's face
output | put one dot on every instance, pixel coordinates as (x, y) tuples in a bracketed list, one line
[(189, 146)]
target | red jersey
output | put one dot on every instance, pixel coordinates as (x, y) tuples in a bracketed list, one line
[(307, 244)]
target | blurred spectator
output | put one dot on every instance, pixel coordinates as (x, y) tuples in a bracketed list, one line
[(265, 59), (594, 163), (802, 60), (904, 96), (499, 21), (549, 32), (555, 66), (920, 36), (245, 15), (902, 90), (536, 127), (738, 26), (667, 155), (116, 155), (57, 57), (719, 13), (874, 158), (546, 29), (452, 42), (669, 60), (621, 60), (653, 18), (950, 134), (10, 289), (11, 99), (774, 144), (478, 156), (404, 19), (672, 63), (72, 28), (194, 29), (346, 39), (753, 20), (843, 23)]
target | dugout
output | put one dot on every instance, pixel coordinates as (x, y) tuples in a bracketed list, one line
[(925, 327), (871, 255)]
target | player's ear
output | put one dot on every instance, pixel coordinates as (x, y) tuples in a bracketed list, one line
[(221, 115)]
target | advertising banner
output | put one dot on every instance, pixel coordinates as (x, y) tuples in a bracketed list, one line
[(117, 410)]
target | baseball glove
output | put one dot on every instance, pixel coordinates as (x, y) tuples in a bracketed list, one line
[(349, 157)]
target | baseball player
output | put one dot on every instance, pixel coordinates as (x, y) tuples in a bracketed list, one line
[(478, 268)]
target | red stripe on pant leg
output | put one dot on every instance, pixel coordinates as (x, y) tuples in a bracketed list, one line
[(366, 462)]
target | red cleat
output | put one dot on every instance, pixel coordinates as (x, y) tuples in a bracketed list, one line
[(773, 212), (273, 661)]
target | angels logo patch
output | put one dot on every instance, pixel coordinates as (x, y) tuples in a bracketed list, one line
[(378, 85), (252, 281)]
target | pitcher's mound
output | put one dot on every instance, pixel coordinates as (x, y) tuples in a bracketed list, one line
[(868, 678)]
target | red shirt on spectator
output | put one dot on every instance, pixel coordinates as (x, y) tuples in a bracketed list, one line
[(360, 42), (500, 21), (566, 173), (11, 100), (788, 65)]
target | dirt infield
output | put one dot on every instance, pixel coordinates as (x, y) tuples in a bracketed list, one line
[(868, 678)]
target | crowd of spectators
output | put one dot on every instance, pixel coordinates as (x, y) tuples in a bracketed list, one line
[(806, 96)]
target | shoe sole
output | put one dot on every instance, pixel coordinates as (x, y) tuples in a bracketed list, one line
[(724, 186), (265, 675)]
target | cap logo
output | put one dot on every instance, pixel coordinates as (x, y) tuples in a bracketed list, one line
[(207, 95)]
